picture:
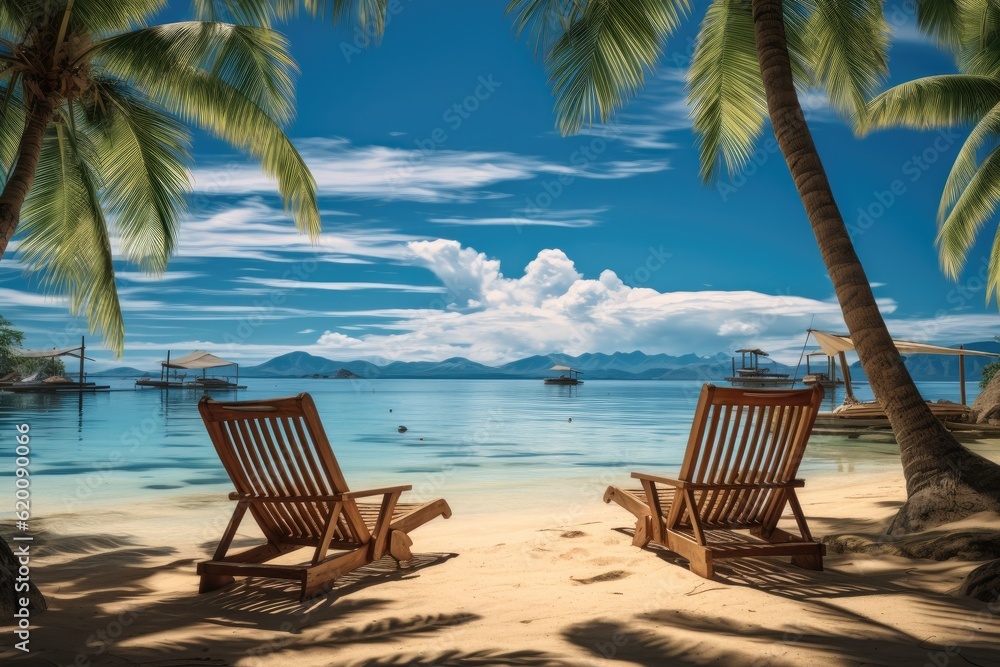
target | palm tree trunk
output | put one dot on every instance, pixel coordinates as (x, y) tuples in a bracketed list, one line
[(944, 480), (16, 189), (11, 201)]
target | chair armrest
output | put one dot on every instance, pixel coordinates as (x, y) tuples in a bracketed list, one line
[(791, 484), (384, 491), (329, 498), (659, 480)]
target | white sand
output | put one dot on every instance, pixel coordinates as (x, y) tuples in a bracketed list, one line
[(553, 581)]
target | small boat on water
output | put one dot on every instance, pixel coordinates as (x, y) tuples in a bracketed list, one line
[(197, 360), (572, 379), (751, 374), (825, 379)]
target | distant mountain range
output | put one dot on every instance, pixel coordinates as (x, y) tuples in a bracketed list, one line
[(596, 366)]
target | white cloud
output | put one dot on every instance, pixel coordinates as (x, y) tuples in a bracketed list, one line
[(539, 218), (287, 284), (552, 307), (145, 278), (307, 331), (255, 230), (434, 174)]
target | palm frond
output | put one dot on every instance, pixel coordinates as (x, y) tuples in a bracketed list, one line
[(254, 61), (850, 40), (66, 235), (367, 15), (941, 20), (101, 17), (144, 157), (933, 102), (12, 119), (978, 37), (544, 21), (218, 108), (993, 280), (977, 204), (228, 107), (247, 12), (725, 88), (15, 16), (986, 131), (601, 60)]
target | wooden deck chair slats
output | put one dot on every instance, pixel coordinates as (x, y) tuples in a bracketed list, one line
[(738, 474), (287, 479)]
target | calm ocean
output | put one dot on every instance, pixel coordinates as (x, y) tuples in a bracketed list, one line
[(463, 436)]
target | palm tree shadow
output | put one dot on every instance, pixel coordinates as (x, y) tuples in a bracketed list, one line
[(108, 580)]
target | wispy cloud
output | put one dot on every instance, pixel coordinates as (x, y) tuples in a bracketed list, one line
[(430, 174), (255, 230), (286, 284), (540, 218)]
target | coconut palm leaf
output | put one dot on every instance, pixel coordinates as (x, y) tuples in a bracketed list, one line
[(849, 44), (15, 15), (368, 15), (544, 21), (66, 236), (940, 19), (977, 203), (12, 117), (254, 61), (101, 17), (228, 103), (932, 102), (601, 59), (144, 159), (725, 88), (983, 135)]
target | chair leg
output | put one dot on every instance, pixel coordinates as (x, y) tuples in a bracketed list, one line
[(211, 582), (701, 564), (399, 546), (642, 530), (813, 562)]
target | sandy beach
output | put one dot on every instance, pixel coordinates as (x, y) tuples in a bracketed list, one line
[(523, 583)]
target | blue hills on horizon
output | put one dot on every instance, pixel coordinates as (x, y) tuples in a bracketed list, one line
[(595, 366)]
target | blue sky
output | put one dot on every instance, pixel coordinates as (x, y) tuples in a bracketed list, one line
[(458, 222)]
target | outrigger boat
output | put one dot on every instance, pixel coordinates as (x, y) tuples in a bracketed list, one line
[(197, 360), (827, 378), (750, 373), (572, 379)]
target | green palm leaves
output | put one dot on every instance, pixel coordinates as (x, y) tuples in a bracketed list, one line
[(114, 165), (598, 53), (971, 28)]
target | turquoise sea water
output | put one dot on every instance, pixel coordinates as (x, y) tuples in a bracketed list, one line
[(463, 437)]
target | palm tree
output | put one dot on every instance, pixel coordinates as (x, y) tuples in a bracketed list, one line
[(96, 106), (972, 98), (751, 58)]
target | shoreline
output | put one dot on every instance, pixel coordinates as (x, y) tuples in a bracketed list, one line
[(548, 578)]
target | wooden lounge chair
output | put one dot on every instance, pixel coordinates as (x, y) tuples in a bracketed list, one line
[(738, 474), (286, 476)]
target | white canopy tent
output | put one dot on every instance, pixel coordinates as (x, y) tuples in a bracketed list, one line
[(836, 345), (75, 352), (199, 360)]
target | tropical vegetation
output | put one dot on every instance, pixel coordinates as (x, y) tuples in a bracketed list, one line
[(752, 59)]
